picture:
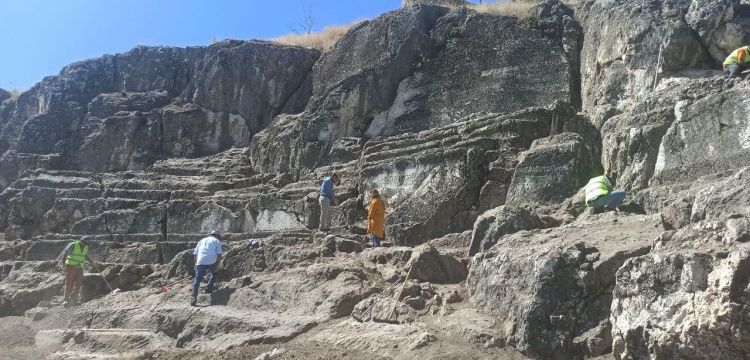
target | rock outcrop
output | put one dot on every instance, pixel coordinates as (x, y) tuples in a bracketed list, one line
[(416, 79), (479, 130), (151, 103)]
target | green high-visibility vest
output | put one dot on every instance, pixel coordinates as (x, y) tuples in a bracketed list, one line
[(595, 188), (734, 57), (77, 257)]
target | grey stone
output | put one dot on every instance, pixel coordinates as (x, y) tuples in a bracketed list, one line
[(368, 87), (427, 264), (498, 222), (534, 284), (692, 286), (552, 170)]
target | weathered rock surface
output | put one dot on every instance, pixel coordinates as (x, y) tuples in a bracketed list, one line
[(691, 278), (548, 288), (469, 125), (151, 103), (491, 226), (628, 44), (637, 149), (417, 79), (552, 170), (692, 295)]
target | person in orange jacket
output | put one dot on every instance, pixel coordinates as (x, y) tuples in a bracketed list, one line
[(376, 218)]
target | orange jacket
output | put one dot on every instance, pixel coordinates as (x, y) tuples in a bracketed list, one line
[(376, 217)]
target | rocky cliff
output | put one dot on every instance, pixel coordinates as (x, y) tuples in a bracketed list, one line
[(479, 131)]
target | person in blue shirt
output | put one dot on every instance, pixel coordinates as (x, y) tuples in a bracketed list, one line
[(326, 198), (207, 256)]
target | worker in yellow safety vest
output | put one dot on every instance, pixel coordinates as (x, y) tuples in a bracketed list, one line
[(737, 61), (73, 258), (599, 194)]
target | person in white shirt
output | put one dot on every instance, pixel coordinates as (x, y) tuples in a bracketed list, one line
[(207, 258)]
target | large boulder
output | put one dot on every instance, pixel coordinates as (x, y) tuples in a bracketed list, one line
[(428, 264), (711, 20), (551, 290), (552, 170), (491, 226)]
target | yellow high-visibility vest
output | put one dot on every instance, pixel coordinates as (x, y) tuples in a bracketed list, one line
[(734, 57), (595, 188), (78, 256)]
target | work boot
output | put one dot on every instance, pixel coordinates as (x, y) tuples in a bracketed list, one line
[(193, 301)]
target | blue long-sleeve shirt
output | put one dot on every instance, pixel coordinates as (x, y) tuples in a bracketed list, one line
[(327, 188)]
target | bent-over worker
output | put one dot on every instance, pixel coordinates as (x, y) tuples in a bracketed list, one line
[(599, 194), (737, 61)]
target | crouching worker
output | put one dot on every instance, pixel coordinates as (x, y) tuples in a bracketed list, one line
[(599, 194), (737, 62), (376, 218), (207, 256), (72, 261)]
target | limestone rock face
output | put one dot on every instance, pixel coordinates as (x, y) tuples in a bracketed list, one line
[(447, 3), (551, 291), (633, 143), (620, 57), (706, 137), (123, 112), (712, 21), (432, 182), (416, 79), (478, 130)]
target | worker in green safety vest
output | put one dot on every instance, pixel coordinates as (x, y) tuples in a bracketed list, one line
[(73, 258), (737, 61), (600, 196)]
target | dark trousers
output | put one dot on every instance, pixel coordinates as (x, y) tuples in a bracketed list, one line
[(733, 71), (73, 282), (200, 272)]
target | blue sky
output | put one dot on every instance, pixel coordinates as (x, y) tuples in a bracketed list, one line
[(41, 36)]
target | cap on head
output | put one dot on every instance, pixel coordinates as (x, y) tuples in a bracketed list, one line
[(215, 233), (86, 239)]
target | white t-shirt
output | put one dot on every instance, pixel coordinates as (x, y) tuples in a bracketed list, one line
[(206, 251)]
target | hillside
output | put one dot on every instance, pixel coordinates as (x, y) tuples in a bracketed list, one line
[(479, 130)]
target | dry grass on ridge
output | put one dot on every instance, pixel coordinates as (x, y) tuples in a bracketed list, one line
[(327, 38), (323, 40)]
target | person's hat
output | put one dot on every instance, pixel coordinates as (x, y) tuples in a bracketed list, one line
[(215, 233), (86, 239)]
